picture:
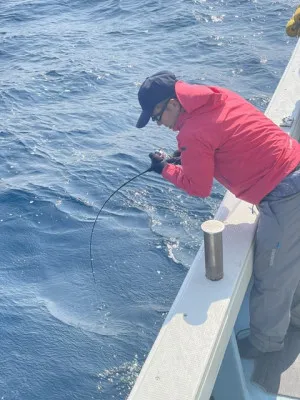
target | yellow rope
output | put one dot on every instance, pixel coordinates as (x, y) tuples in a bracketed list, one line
[(293, 26)]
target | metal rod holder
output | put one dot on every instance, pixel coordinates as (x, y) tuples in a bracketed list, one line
[(213, 248)]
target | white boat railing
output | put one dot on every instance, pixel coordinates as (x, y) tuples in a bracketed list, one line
[(184, 361)]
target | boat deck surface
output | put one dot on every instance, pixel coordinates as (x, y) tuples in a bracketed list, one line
[(248, 365)]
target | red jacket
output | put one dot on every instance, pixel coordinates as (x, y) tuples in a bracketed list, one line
[(223, 136)]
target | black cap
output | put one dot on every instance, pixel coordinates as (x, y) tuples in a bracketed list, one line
[(155, 89)]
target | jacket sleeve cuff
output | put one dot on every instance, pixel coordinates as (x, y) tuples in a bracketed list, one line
[(166, 171)]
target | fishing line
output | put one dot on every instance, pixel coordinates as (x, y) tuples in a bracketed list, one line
[(92, 232)]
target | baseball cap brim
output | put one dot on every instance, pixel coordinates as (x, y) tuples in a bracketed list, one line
[(144, 119)]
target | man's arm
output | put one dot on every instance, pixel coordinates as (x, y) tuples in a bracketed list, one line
[(196, 172)]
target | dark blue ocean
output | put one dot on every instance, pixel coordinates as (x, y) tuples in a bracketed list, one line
[(69, 76)]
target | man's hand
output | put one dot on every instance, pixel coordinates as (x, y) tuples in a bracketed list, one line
[(158, 161)]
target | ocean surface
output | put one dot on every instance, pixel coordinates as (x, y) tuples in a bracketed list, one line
[(69, 76)]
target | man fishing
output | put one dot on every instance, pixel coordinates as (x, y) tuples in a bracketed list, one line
[(223, 136)]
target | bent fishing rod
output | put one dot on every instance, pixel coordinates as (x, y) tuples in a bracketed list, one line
[(156, 157), (113, 193)]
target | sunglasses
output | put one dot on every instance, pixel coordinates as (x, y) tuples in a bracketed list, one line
[(157, 117)]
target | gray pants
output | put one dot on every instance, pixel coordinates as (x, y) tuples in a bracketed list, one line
[(275, 296)]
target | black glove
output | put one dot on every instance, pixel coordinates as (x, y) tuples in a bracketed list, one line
[(175, 158), (158, 162)]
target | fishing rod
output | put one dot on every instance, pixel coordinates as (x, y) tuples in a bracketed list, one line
[(173, 159), (93, 228)]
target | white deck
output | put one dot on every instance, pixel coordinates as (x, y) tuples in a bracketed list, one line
[(185, 359), (186, 356)]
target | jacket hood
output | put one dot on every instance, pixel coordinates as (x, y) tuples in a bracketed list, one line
[(193, 97)]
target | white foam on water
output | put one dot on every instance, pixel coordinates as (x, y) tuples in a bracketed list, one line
[(97, 321), (122, 377)]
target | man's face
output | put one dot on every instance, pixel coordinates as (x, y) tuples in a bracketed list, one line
[(166, 113)]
